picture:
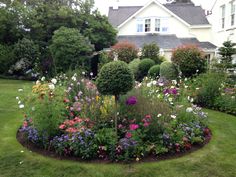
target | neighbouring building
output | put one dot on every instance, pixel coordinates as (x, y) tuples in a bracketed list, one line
[(223, 20), (168, 25)]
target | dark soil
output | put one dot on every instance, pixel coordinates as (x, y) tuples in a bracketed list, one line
[(49, 153)]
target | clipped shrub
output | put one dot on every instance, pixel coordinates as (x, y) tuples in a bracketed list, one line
[(115, 78), (151, 51), (70, 49), (6, 58), (154, 71), (168, 70), (26, 56), (190, 60), (143, 68), (125, 51), (133, 66)]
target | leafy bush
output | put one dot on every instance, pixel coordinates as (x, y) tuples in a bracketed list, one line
[(208, 88), (189, 59), (168, 70), (143, 68), (125, 51), (6, 58), (27, 56), (115, 78), (226, 103), (151, 51), (154, 71), (133, 66), (70, 49)]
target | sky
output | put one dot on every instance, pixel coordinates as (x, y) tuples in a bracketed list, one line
[(103, 5)]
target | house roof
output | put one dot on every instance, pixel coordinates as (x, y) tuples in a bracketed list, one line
[(193, 15), (164, 41)]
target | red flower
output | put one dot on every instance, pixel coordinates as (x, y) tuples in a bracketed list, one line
[(66, 100), (146, 124), (148, 116)]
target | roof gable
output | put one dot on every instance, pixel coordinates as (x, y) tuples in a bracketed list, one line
[(185, 12)]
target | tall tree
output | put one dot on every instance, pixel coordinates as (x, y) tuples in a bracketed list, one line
[(227, 51)]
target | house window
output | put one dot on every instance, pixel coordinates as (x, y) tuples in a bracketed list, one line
[(139, 25), (222, 16), (232, 14), (147, 25), (164, 25), (157, 25)]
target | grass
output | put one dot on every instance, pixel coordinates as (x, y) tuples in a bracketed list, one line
[(217, 159)]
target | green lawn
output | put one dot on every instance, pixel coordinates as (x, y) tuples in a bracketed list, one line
[(217, 159)]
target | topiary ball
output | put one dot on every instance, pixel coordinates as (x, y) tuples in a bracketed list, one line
[(143, 67), (115, 78), (168, 70), (133, 66), (154, 71)]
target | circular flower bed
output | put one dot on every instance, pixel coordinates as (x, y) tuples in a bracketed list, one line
[(70, 117)]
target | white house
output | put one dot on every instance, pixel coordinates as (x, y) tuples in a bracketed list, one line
[(168, 25), (223, 20)]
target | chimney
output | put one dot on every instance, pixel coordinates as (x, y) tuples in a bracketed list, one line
[(116, 5)]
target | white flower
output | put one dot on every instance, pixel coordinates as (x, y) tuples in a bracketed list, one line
[(21, 106), (160, 83), (21, 162), (54, 81), (191, 100), (188, 97), (170, 99), (83, 73), (197, 88), (91, 74), (21, 151), (33, 108), (37, 82), (173, 116), (197, 71), (185, 86), (185, 79), (154, 82), (19, 102), (233, 97), (159, 95), (174, 82), (51, 86), (43, 78), (189, 109), (17, 98), (20, 90), (159, 115), (73, 78), (149, 84)]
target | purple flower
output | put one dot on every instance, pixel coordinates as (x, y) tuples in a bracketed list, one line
[(174, 91), (132, 100)]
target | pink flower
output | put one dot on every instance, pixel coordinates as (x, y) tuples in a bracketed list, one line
[(128, 135), (133, 126), (148, 116), (62, 126), (146, 124), (25, 124)]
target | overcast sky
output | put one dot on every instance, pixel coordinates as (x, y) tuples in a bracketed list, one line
[(103, 5)]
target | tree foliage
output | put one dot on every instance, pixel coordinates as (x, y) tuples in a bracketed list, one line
[(227, 51), (151, 51), (70, 49)]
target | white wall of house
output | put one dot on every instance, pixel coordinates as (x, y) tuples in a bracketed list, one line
[(175, 26), (229, 31)]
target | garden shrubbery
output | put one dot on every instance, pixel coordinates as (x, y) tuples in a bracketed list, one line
[(125, 51), (168, 70), (154, 71), (6, 58), (143, 68), (151, 51), (189, 59)]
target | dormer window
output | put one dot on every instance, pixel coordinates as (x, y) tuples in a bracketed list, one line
[(153, 25), (147, 25), (157, 25)]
